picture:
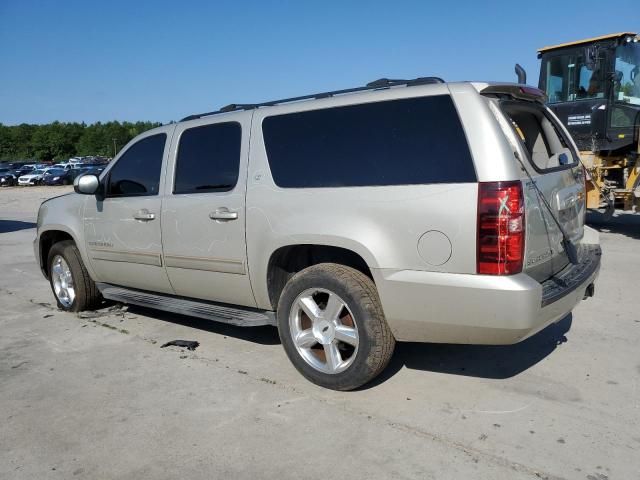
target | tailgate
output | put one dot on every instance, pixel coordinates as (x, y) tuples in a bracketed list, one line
[(553, 163)]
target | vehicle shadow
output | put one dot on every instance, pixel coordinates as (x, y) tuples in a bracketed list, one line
[(485, 361), (266, 335), (7, 226), (623, 223)]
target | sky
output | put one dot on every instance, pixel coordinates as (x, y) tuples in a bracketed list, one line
[(88, 61)]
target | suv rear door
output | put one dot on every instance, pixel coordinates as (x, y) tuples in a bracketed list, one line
[(552, 161), (203, 215)]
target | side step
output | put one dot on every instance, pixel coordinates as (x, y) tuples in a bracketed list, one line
[(195, 308)]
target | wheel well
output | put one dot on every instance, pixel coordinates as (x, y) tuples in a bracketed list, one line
[(287, 261), (47, 240)]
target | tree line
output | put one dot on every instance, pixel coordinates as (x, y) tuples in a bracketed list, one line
[(60, 141)]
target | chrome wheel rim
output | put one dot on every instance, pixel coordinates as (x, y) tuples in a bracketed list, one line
[(62, 281), (323, 330)]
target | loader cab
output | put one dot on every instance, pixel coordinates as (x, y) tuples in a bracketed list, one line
[(593, 86)]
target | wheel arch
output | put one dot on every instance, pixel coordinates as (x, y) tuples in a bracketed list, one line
[(285, 261), (47, 239)]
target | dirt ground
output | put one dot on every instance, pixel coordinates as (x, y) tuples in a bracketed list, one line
[(94, 396)]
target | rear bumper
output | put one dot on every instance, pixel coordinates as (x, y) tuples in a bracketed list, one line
[(573, 276), (481, 309)]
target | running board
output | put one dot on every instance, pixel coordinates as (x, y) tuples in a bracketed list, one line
[(195, 308)]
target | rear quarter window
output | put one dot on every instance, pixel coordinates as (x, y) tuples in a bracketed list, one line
[(398, 142)]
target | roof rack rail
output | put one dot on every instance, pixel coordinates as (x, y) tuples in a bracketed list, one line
[(376, 84), (386, 82)]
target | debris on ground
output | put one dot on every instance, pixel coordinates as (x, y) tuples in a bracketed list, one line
[(188, 344), (117, 310)]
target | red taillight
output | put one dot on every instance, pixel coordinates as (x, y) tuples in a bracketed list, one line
[(501, 231)]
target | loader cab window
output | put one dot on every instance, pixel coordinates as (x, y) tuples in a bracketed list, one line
[(569, 79), (624, 113), (628, 73)]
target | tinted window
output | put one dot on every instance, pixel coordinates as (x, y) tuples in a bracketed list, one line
[(137, 172), (208, 159), (400, 142)]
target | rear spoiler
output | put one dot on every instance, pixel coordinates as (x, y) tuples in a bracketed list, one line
[(521, 92)]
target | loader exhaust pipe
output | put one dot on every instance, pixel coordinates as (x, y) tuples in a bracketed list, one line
[(521, 73)]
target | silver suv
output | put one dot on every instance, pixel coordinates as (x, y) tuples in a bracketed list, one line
[(414, 210)]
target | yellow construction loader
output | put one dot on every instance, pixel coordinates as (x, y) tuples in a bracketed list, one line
[(593, 86)]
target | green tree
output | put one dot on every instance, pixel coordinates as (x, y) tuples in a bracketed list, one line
[(59, 141)]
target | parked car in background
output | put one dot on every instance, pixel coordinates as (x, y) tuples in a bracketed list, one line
[(24, 170), (63, 165), (34, 177), (93, 170), (7, 177), (60, 176)]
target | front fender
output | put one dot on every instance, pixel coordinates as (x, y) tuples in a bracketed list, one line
[(63, 214)]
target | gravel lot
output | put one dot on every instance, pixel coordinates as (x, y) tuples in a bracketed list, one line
[(94, 396)]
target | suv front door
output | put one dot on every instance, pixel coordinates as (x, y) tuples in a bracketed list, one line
[(203, 218), (122, 229)]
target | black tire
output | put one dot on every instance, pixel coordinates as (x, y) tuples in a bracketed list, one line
[(375, 340), (87, 295)]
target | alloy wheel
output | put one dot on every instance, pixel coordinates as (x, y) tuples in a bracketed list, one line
[(62, 281), (324, 330)]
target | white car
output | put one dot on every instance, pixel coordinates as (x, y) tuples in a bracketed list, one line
[(32, 178), (64, 166)]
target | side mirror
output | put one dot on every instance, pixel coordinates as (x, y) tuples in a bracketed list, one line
[(86, 184), (617, 78), (592, 57)]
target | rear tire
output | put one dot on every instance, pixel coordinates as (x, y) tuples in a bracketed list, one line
[(332, 326), (70, 282)]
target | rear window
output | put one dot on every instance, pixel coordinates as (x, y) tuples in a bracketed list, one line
[(545, 144), (399, 142)]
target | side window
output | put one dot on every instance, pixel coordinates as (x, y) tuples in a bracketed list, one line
[(399, 142), (208, 159), (137, 172)]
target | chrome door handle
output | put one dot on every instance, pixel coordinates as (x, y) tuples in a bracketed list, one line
[(223, 214), (144, 215)]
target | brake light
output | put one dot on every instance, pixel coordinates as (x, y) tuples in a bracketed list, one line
[(501, 228), (534, 92)]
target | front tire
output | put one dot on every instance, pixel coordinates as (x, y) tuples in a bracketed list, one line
[(70, 282), (332, 326)]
